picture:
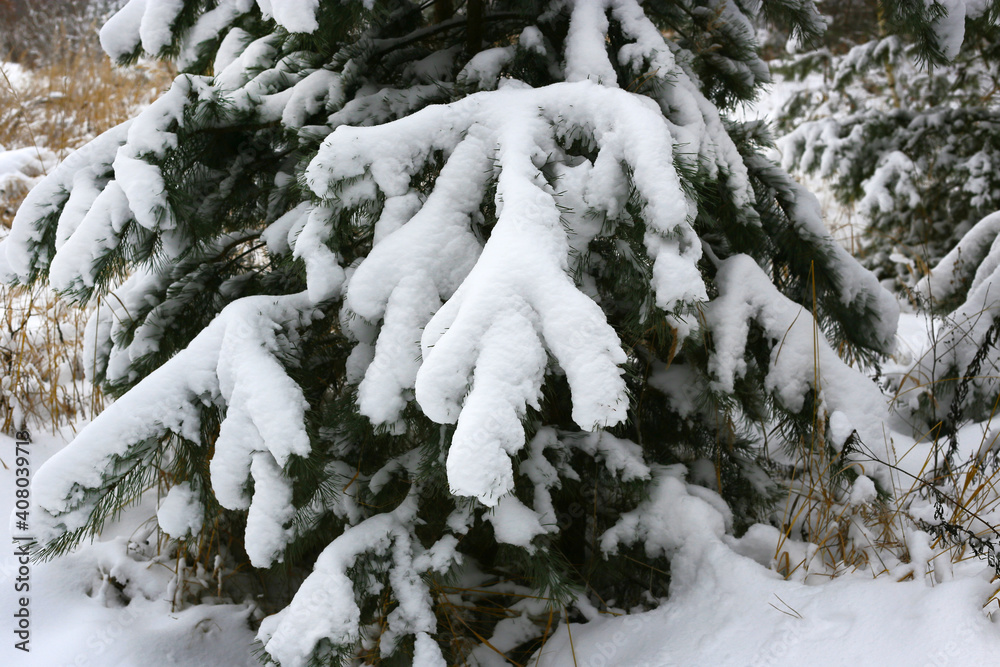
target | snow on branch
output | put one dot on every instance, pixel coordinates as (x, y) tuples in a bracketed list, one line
[(976, 256), (233, 362), (65, 195), (801, 358), (509, 306), (325, 606), (154, 25), (97, 209), (676, 516), (939, 25), (963, 337)]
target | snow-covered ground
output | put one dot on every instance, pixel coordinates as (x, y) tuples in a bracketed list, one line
[(101, 605), (727, 609), (739, 614)]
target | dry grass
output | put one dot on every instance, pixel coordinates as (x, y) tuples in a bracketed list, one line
[(887, 537), (939, 515), (852, 529), (41, 353), (46, 113), (866, 536)]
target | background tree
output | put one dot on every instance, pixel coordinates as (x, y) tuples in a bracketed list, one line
[(904, 129), (443, 316), (908, 135)]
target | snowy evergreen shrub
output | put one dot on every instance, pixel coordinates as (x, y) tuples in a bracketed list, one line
[(906, 129), (457, 320), (956, 381)]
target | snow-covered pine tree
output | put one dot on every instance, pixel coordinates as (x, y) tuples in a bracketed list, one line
[(463, 311), (905, 128)]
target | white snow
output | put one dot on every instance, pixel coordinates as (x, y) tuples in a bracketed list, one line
[(325, 605), (295, 15), (230, 49), (392, 373), (800, 359), (950, 28), (483, 69), (17, 163), (856, 286), (155, 29), (515, 523), (977, 249), (120, 33), (51, 193), (180, 513), (209, 26), (741, 615), (232, 360), (862, 491), (270, 511), (586, 54), (482, 288), (320, 89)]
